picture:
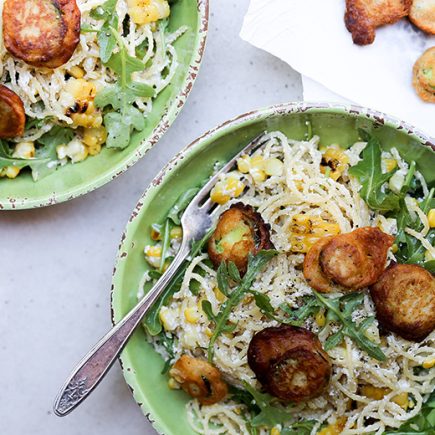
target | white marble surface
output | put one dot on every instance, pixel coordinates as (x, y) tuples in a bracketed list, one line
[(56, 263)]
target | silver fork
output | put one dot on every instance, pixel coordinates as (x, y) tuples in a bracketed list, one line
[(196, 220)]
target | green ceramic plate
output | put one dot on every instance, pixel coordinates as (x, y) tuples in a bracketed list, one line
[(75, 180), (334, 124)]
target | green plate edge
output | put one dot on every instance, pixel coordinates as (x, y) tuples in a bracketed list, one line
[(75, 180), (141, 366)]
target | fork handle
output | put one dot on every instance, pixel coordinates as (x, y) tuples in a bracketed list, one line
[(93, 367)]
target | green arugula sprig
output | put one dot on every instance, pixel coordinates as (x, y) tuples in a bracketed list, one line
[(124, 118), (411, 250), (421, 424), (338, 310), (6, 158), (268, 415), (44, 154), (106, 39), (226, 274), (167, 341), (264, 412), (369, 172), (380, 198), (310, 307)]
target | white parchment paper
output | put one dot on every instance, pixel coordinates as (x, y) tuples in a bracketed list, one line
[(310, 35)]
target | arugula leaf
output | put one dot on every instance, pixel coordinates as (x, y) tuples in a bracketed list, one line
[(269, 415), (421, 424), (430, 266), (411, 250), (6, 158), (263, 412), (378, 197), (50, 140), (369, 173), (349, 327), (125, 118), (222, 278), (58, 135), (263, 303), (194, 285), (36, 123), (167, 341), (338, 310), (106, 40), (298, 316), (255, 265)]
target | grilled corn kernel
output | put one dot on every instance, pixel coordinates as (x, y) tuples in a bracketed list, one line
[(94, 136), (9, 172), (320, 318), (273, 166), (147, 11), (94, 150), (153, 251), (275, 431), (153, 254), (176, 233), (168, 318), (76, 72), (257, 161), (258, 175), (74, 150), (402, 400), (335, 428), (219, 295), (431, 218), (224, 190), (88, 116), (81, 89), (307, 230), (244, 164), (24, 150), (299, 185), (429, 363), (80, 94), (155, 235), (173, 384), (191, 314), (390, 164), (336, 160), (257, 168), (375, 393)]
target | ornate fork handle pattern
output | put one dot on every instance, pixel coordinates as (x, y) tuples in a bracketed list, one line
[(98, 361)]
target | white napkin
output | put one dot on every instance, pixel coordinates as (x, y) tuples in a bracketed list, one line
[(310, 35)]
